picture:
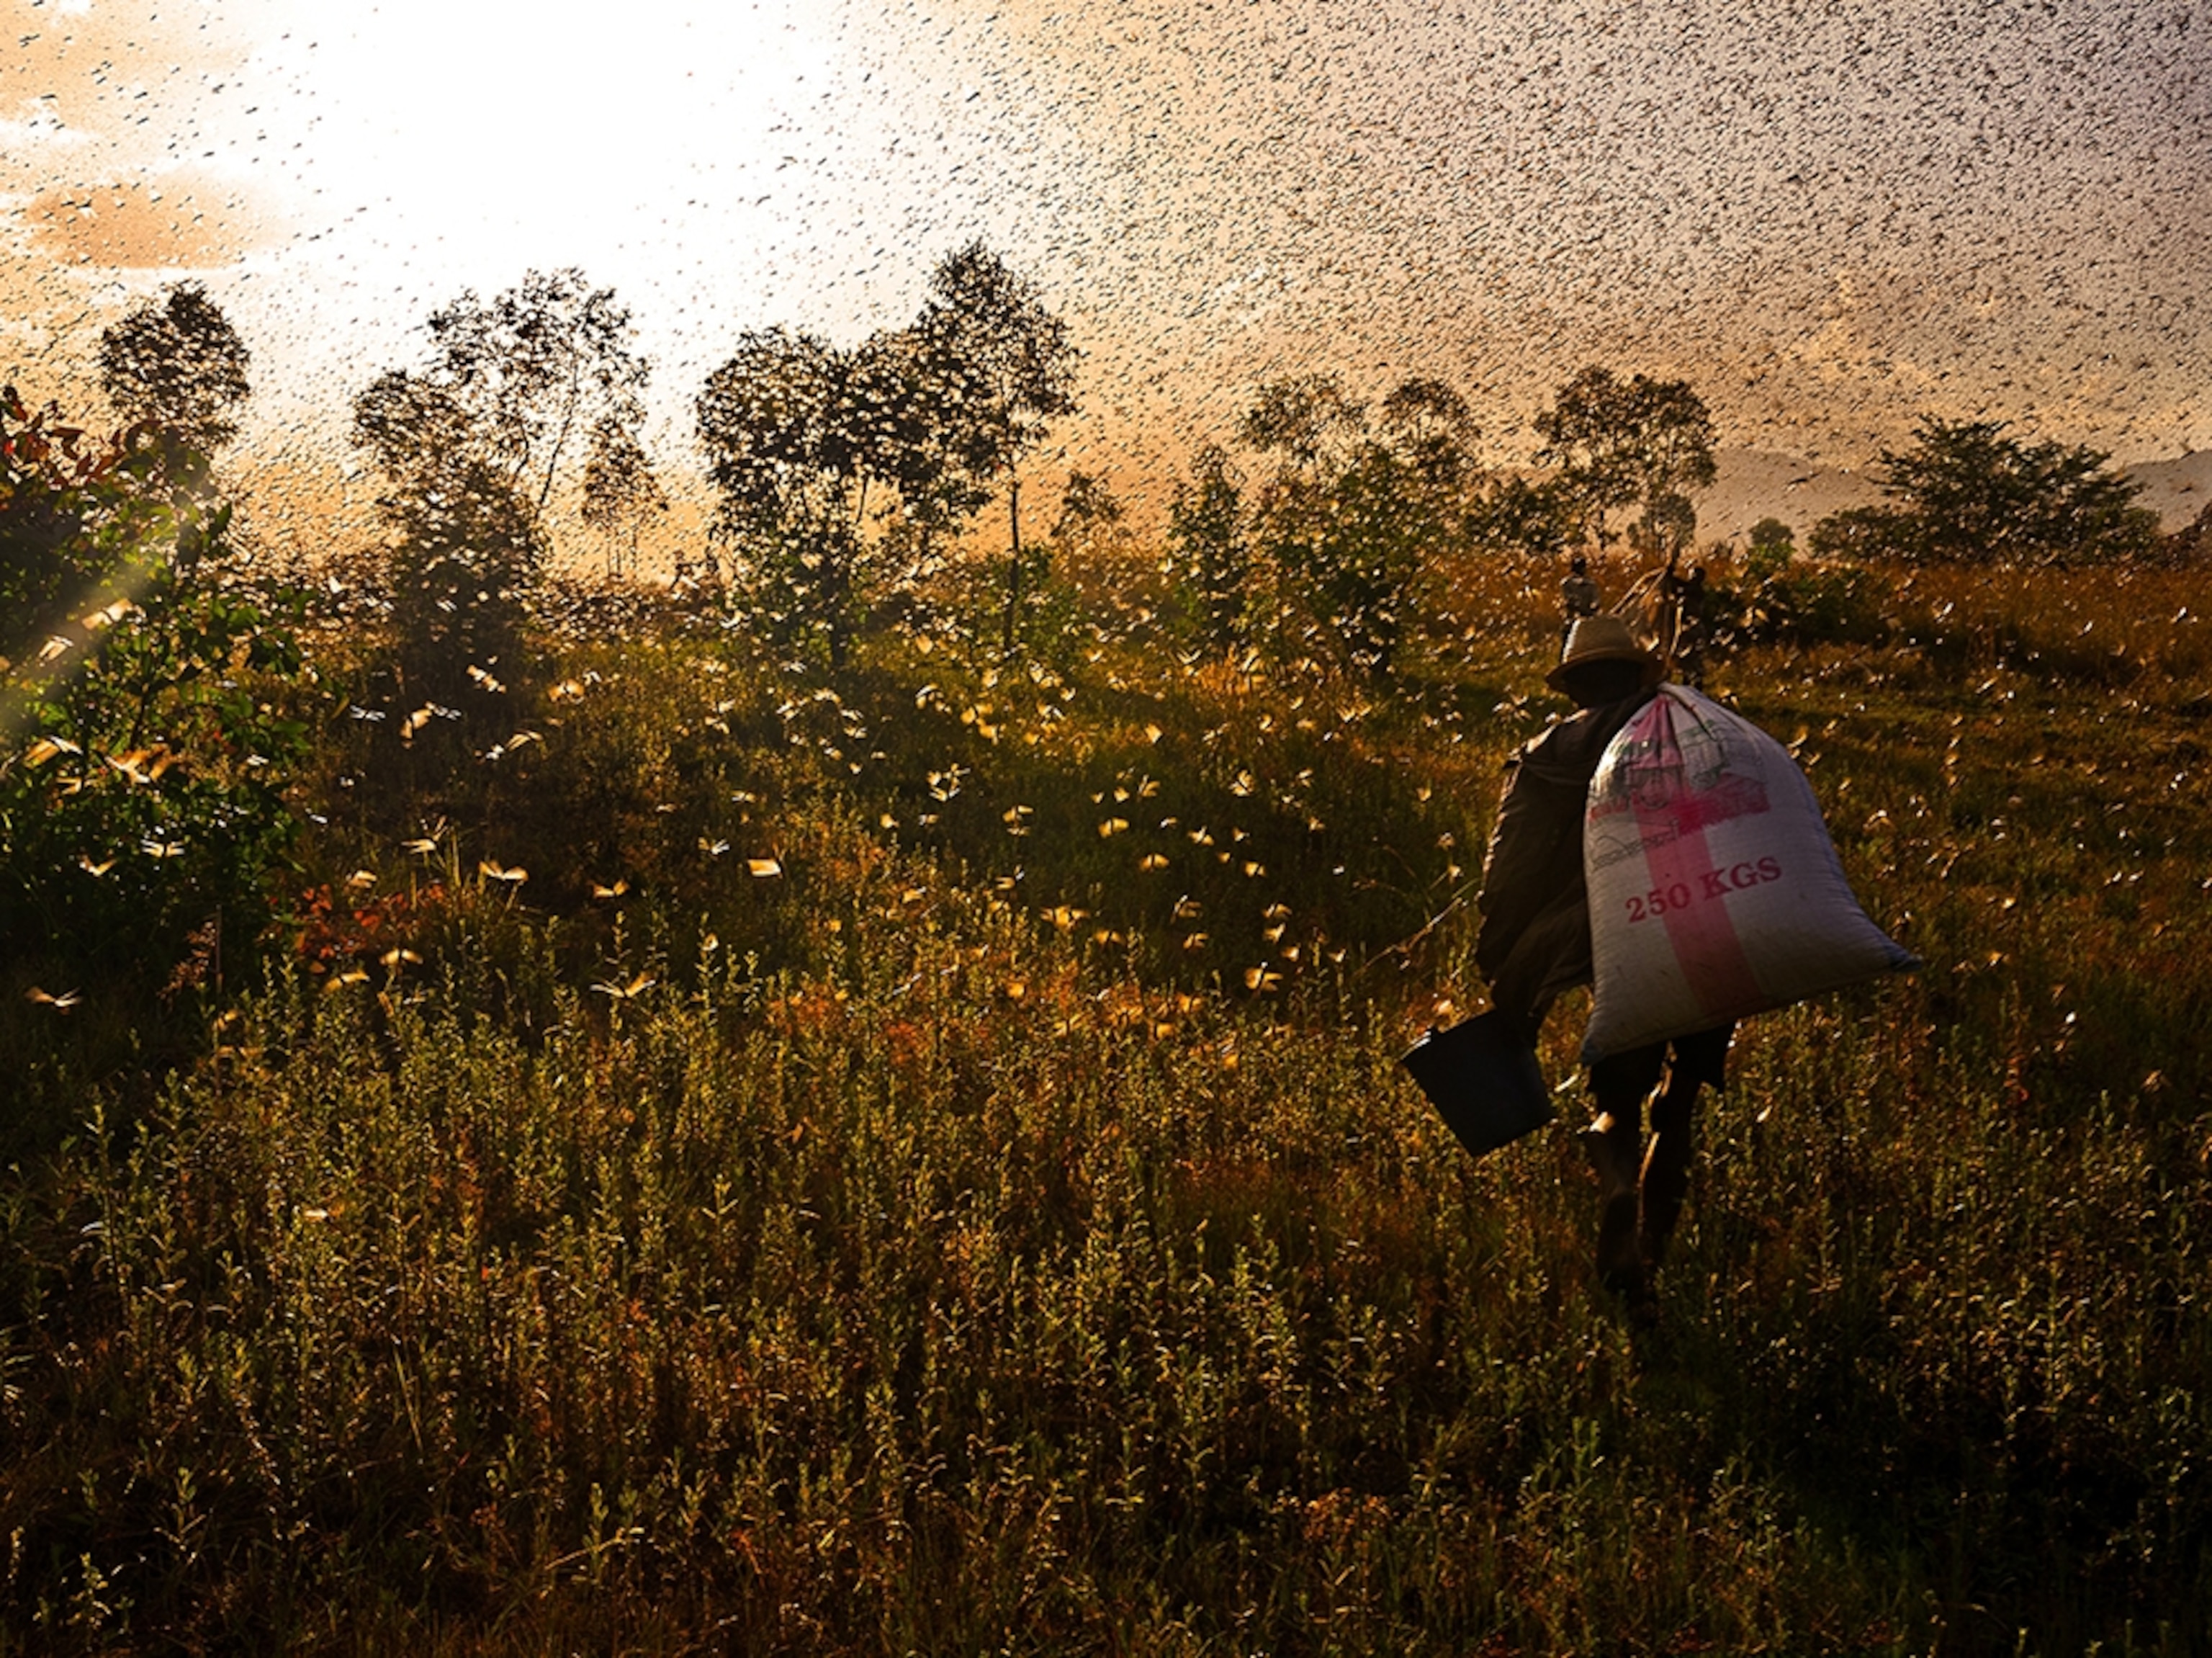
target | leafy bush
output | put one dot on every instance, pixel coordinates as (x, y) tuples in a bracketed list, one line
[(140, 797), (462, 566), (1780, 597), (1353, 514)]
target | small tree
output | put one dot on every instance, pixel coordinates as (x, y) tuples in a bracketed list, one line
[(1088, 530), (1212, 548), (416, 429), (1365, 560), (463, 554), (796, 432), (1308, 421), (999, 369), (1350, 515), (1311, 427), (462, 545), (532, 365), (1433, 430), (1770, 535), (1536, 518), (1668, 526), (178, 367), (1862, 534), (620, 492), (1967, 493), (913, 422), (1087, 508), (470, 446), (1619, 443)]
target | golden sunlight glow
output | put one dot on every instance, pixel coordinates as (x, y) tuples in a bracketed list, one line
[(1829, 246)]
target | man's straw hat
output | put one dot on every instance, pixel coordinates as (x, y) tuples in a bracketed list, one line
[(1602, 639)]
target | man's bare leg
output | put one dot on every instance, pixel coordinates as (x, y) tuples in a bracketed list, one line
[(1614, 1143), (1666, 1181)]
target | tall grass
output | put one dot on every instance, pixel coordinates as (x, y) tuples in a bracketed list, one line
[(927, 1248)]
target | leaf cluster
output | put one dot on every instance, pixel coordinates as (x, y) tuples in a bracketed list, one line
[(1340, 530)]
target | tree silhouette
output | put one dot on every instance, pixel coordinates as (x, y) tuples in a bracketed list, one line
[(419, 429), (1770, 533), (1430, 429), (1087, 508), (465, 554), (1431, 426), (532, 364), (1534, 518), (1310, 427), (1306, 419), (1360, 567), (1350, 514), (796, 433), (178, 365), (910, 416), (472, 445), (1212, 541), (1616, 443), (1668, 526), (1966, 493), (620, 490), (1089, 526), (464, 545), (506, 385), (999, 367)]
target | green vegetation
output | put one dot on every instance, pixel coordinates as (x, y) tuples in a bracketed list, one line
[(1638, 442), (914, 1160), (931, 420), (1964, 492), (142, 788), (685, 1142), (460, 444), (1212, 554)]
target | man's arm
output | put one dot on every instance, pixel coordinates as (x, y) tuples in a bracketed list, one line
[(1534, 855)]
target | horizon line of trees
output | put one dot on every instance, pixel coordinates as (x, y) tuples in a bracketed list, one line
[(843, 477), (1349, 507)]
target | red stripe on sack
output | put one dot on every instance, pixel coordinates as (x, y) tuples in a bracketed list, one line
[(1701, 929)]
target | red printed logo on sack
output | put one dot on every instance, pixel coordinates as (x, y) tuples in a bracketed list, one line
[(1673, 780)]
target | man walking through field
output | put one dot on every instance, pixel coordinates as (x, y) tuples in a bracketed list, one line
[(1535, 944)]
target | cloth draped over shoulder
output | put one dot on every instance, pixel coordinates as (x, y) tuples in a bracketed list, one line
[(1534, 940)]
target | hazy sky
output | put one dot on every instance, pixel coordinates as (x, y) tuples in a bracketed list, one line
[(1831, 218)]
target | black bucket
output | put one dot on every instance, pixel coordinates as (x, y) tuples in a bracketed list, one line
[(1482, 1079)]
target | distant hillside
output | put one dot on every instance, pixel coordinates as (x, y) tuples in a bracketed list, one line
[(1757, 484), (2177, 490)]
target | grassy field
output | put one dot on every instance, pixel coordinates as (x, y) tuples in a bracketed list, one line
[(730, 1160)]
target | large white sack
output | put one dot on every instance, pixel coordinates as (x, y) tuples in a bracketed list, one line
[(1714, 889)]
